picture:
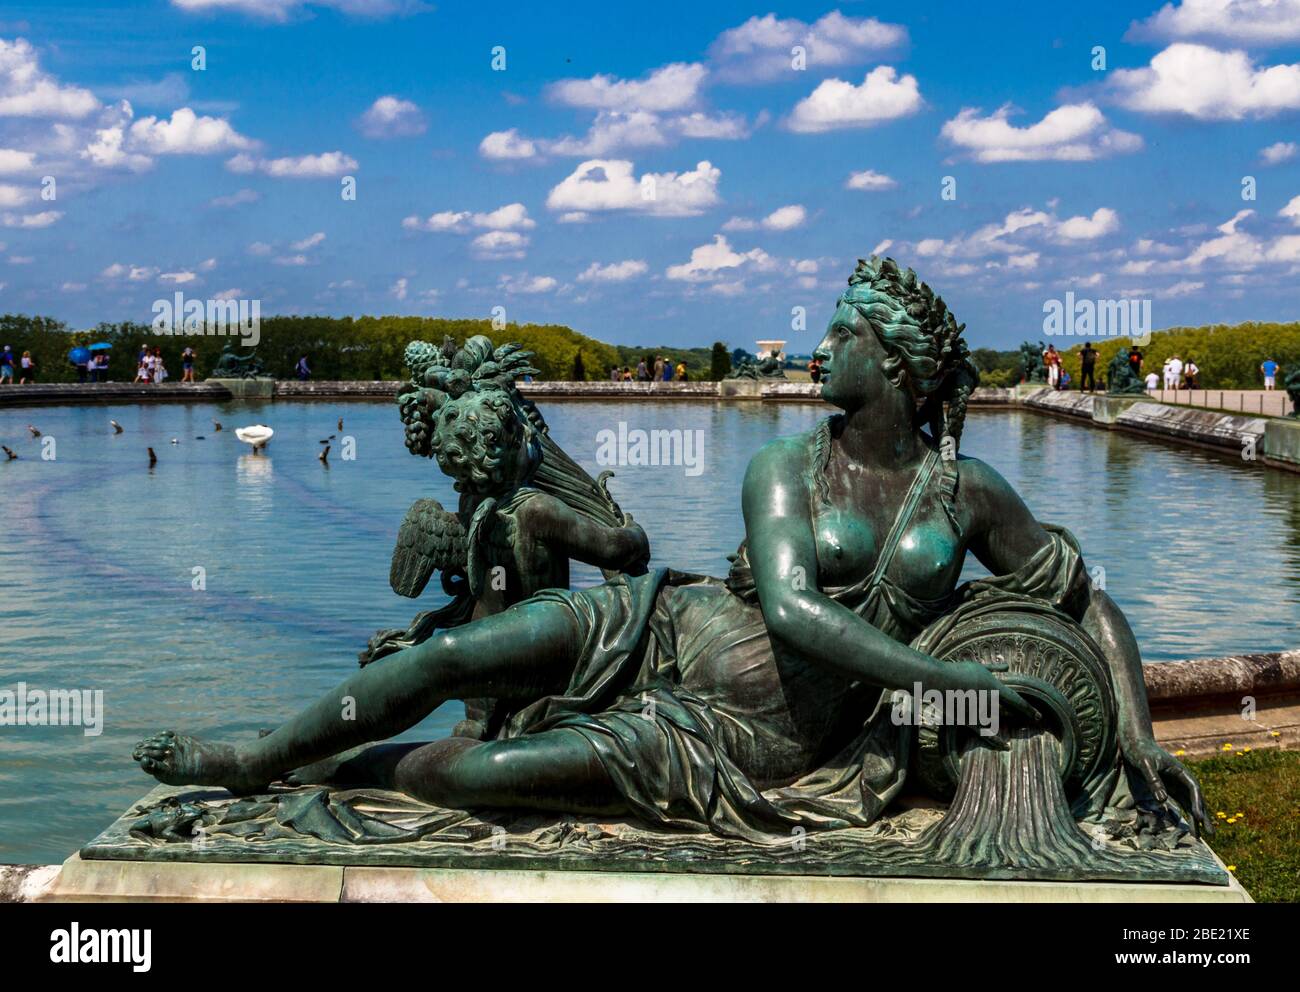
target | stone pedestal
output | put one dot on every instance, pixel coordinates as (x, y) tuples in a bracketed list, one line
[(1282, 443), (248, 389), (143, 881), (1107, 407), (741, 389)]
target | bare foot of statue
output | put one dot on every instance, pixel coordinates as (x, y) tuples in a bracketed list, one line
[(175, 759)]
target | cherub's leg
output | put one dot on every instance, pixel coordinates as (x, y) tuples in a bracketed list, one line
[(529, 649)]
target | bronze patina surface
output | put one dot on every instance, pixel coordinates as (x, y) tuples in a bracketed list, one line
[(779, 719)]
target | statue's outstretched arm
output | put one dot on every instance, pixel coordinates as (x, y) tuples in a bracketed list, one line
[(1004, 537), (578, 536), (805, 621)]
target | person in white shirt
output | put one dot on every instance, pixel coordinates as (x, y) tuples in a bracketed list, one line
[(1175, 371), (1168, 377), (1153, 381)]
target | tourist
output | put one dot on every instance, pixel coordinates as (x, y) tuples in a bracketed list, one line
[(7, 366), (681, 371), (815, 370), (159, 368), (1153, 382), (1175, 370), (1065, 380), (614, 374), (659, 368), (627, 374), (28, 369), (668, 370), (1190, 372), (1270, 369), (99, 368), (1167, 373), (642, 373), (304, 372), (187, 364), (80, 366), (1087, 363), (142, 370), (1135, 360), (1052, 359)]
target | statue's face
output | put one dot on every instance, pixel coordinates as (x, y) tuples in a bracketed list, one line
[(478, 443), (851, 357)]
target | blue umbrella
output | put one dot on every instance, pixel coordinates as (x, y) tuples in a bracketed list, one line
[(102, 346), (79, 356)]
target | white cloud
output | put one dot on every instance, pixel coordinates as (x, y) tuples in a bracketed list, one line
[(761, 48), (31, 221), (283, 10), (785, 218), (1102, 222), (718, 259), (309, 242), (177, 278), (609, 184), (26, 91), (614, 272), (1075, 132), (870, 180), (1291, 211), (1279, 152), (15, 196), (512, 216), (236, 198), (13, 160), (1207, 84), (322, 166), (1184, 288), (499, 244), (186, 133), (882, 96), (1246, 22), (132, 273), (670, 87), (392, 117), (507, 145), (398, 289), (528, 285)]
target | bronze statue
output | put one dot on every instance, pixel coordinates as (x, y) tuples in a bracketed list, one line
[(1032, 368), (769, 702), (1122, 378), (767, 367), (232, 365), (525, 509), (1292, 386)]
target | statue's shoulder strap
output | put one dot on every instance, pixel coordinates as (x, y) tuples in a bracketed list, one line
[(906, 512)]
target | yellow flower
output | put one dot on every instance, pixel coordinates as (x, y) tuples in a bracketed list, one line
[(1232, 867), (1179, 753), (1220, 815), (1245, 750), (1227, 747), (1274, 733)]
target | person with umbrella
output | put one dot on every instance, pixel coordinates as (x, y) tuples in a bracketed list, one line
[(98, 364), (80, 358)]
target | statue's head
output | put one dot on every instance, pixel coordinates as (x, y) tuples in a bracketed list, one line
[(482, 440), (891, 332), (462, 408)]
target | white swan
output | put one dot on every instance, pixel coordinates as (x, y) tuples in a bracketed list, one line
[(256, 435)]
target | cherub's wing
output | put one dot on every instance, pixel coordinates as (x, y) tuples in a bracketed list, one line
[(430, 539)]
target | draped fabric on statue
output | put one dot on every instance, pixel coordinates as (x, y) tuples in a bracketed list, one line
[(676, 677)]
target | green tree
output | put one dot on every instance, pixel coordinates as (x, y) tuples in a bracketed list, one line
[(719, 362)]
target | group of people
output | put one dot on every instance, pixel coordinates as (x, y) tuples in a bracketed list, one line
[(815, 369), (661, 370), (1176, 374), (26, 365)]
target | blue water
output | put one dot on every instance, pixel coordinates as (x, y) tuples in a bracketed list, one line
[(98, 552)]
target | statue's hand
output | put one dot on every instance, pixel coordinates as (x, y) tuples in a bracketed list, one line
[(981, 678), (1165, 775)]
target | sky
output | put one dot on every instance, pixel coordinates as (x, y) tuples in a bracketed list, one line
[(664, 173)]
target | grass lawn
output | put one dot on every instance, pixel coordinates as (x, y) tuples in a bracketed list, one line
[(1254, 798)]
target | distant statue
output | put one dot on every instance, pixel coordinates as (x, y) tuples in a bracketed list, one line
[(1031, 363), (1292, 385), (1122, 378), (232, 365), (768, 367)]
